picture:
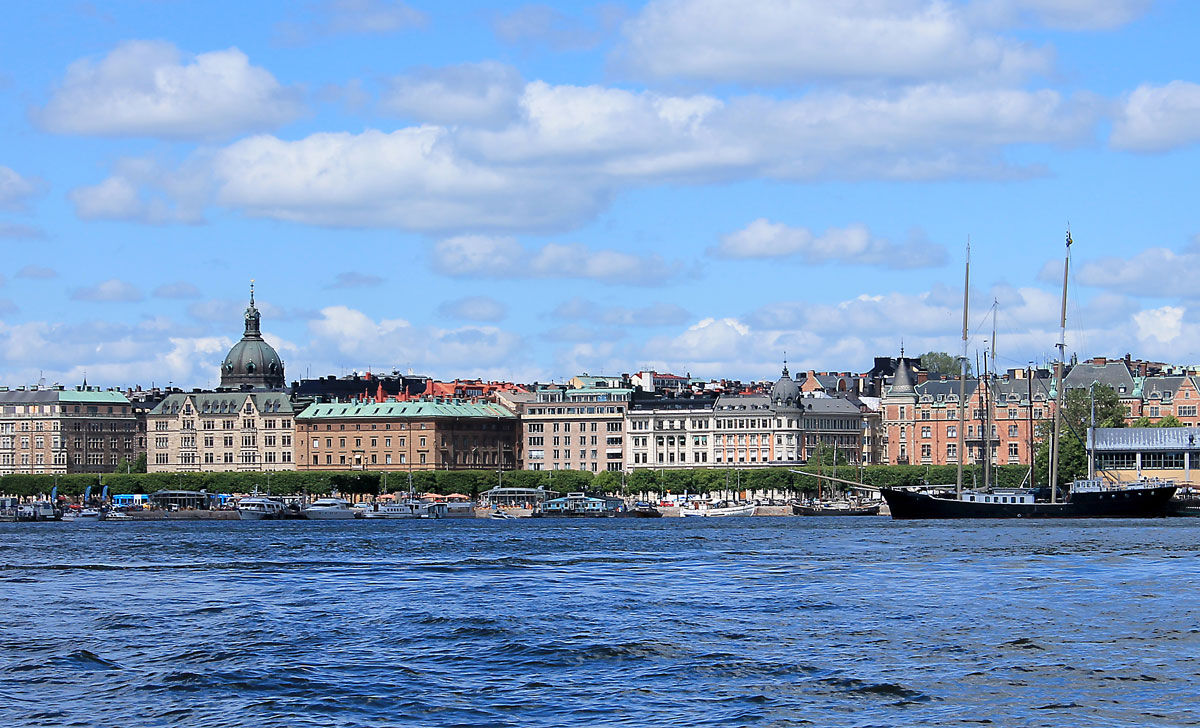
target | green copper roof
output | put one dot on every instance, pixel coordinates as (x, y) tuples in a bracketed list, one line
[(392, 409), (105, 397)]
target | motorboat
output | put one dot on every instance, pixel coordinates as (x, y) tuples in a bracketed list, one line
[(116, 516), (717, 509), (256, 508), (329, 509), (501, 515), (405, 509), (39, 511), (88, 514)]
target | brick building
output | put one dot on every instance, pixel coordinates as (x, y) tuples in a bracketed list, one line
[(433, 434)]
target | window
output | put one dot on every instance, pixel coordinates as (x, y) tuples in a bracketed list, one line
[(926, 432), (952, 431), (1012, 430)]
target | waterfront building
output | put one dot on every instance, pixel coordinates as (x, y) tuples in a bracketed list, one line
[(59, 430), (1128, 454), (572, 428), (428, 434), (207, 432)]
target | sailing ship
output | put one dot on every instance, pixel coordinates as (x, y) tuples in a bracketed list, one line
[(1088, 498)]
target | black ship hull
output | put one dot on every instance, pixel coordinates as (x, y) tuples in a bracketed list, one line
[(1152, 502), (819, 511)]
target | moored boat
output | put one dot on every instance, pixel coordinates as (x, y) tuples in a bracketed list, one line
[(405, 509), (836, 508), (1086, 499), (717, 509), (326, 509), (256, 508)]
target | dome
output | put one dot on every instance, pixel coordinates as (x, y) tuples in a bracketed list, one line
[(785, 393), (252, 361)]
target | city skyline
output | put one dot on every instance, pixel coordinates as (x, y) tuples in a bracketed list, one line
[(526, 192)]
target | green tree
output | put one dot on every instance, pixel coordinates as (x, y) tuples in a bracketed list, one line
[(939, 362), (1169, 421), (1076, 417)]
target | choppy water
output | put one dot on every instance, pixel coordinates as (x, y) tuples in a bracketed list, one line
[(697, 622)]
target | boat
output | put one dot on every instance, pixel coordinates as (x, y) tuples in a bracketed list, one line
[(1085, 498), (500, 515), (579, 505), (641, 509), (835, 508), (116, 516), (37, 511), (717, 509), (325, 509), (88, 514), (405, 509), (258, 508), (459, 509)]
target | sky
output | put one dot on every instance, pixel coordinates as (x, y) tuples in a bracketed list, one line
[(531, 191)]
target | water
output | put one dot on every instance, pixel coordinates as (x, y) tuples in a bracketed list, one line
[(697, 622)]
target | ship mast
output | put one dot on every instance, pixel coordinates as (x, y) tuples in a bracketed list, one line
[(1058, 376), (962, 377)]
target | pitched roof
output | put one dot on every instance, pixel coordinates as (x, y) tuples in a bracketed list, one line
[(1113, 374), (225, 403), (404, 410)]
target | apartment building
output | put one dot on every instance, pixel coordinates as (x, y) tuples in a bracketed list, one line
[(61, 430), (221, 431), (577, 428)]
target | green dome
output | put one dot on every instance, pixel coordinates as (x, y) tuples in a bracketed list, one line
[(252, 360)]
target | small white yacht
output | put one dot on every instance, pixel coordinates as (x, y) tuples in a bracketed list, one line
[(329, 509), (256, 508), (88, 514), (406, 509), (720, 508)]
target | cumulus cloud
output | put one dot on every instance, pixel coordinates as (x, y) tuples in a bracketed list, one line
[(797, 41), (1158, 118), (354, 279), (474, 308), (15, 190), (480, 256), (142, 190), (113, 290), (36, 271), (572, 149), (1152, 272), (340, 332), (482, 94), (853, 245), (177, 290), (150, 89)]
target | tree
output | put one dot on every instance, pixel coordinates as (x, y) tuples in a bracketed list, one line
[(939, 362), (1076, 417)]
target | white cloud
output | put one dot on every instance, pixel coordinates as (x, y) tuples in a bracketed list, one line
[(484, 94), (113, 291), (1149, 273), (797, 41), (1163, 325), (15, 190), (480, 256), (148, 88), (573, 149), (1158, 118), (474, 308), (853, 245), (343, 333)]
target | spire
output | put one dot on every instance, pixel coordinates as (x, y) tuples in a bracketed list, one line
[(902, 382), (785, 371), (252, 316)]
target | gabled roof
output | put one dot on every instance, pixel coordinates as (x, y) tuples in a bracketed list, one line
[(1113, 374), (229, 404)]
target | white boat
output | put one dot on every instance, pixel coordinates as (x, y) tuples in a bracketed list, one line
[(720, 508), (116, 516), (406, 509), (501, 515), (88, 514), (259, 509), (329, 509)]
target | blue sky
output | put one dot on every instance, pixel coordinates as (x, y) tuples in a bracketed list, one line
[(530, 191)]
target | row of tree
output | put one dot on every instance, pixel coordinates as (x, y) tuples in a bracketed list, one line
[(472, 482)]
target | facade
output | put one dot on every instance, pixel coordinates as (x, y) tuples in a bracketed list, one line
[(1130, 453), (252, 362), (207, 432), (573, 429), (59, 430), (921, 421), (433, 434), (743, 430)]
